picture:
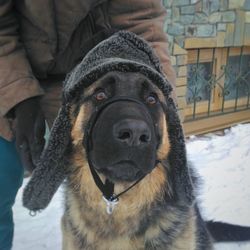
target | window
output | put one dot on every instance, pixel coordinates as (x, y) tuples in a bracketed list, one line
[(218, 81)]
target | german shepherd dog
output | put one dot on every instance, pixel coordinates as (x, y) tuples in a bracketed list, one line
[(128, 182), (130, 138)]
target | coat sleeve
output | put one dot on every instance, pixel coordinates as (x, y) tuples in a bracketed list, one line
[(146, 19), (17, 82)]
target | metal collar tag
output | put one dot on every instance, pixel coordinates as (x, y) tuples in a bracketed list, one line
[(110, 204)]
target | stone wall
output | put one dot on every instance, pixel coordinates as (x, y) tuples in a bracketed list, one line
[(207, 20), (194, 24)]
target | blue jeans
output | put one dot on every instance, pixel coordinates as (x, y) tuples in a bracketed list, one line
[(11, 177)]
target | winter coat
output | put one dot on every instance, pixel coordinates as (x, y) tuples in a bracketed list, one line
[(40, 40)]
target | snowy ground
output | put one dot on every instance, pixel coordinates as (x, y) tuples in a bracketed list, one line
[(223, 161)]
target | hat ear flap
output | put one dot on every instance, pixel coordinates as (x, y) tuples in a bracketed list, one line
[(179, 172), (52, 169)]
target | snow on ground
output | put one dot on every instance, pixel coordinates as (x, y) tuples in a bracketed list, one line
[(223, 162)]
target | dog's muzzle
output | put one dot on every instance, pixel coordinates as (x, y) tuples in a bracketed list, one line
[(122, 140)]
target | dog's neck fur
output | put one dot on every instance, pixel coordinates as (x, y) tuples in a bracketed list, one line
[(93, 228), (131, 203)]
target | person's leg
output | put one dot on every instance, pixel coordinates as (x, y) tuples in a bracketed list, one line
[(11, 176)]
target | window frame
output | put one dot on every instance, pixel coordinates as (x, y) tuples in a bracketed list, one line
[(217, 103)]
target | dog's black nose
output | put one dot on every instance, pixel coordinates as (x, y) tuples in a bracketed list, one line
[(132, 132)]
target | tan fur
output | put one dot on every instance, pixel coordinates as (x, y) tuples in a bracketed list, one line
[(68, 241), (165, 144), (91, 89), (80, 121), (187, 240)]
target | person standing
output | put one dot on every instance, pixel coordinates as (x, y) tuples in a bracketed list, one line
[(40, 42)]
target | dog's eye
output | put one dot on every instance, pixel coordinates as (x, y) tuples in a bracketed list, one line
[(101, 95), (151, 99)]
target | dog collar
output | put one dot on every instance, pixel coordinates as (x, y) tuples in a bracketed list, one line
[(107, 188)]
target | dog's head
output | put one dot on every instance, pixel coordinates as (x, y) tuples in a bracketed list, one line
[(117, 105), (121, 122)]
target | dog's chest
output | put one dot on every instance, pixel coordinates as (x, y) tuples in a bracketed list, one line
[(114, 243), (102, 232)]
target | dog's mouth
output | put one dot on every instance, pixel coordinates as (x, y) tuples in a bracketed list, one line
[(124, 170)]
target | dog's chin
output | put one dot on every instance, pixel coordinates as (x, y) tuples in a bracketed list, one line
[(123, 171)]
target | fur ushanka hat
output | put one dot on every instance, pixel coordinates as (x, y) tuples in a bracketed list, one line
[(126, 52)]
